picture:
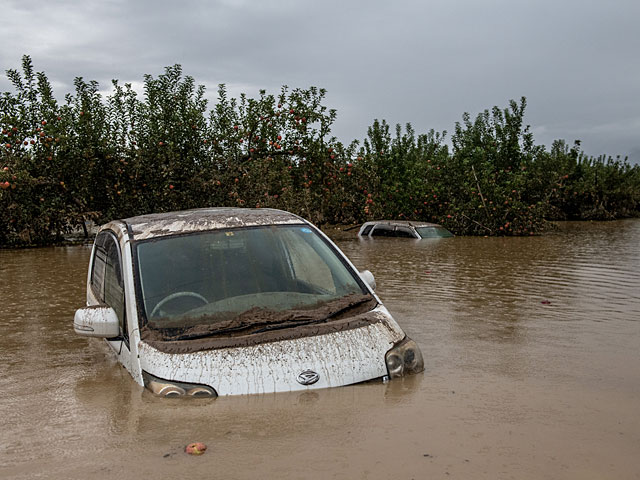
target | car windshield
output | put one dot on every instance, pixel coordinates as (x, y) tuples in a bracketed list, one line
[(207, 278), (434, 232)]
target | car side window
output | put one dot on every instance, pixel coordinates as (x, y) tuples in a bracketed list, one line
[(404, 232), (99, 264), (106, 278), (383, 231), (366, 230)]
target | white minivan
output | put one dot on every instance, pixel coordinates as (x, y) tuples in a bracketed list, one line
[(228, 301)]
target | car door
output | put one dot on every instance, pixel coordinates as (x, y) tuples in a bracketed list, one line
[(107, 287)]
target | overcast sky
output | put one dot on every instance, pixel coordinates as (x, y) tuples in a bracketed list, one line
[(423, 62)]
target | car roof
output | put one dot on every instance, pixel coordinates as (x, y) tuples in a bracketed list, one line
[(154, 225), (402, 223)]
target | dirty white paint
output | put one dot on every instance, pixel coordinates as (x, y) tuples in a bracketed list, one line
[(203, 219), (340, 358), (96, 321)]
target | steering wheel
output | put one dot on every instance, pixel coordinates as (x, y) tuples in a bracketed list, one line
[(172, 296)]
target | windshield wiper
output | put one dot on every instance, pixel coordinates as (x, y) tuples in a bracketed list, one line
[(281, 325), (246, 326), (289, 324), (346, 308), (292, 319)]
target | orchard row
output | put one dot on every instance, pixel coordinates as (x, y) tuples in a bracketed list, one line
[(98, 158)]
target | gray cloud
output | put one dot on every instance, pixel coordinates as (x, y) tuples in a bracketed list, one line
[(413, 61)]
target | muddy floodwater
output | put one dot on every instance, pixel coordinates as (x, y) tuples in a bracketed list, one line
[(532, 356)]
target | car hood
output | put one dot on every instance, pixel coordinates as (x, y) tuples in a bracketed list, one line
[(326, 360)]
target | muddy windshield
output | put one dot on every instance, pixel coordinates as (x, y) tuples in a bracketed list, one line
[(212, 278)]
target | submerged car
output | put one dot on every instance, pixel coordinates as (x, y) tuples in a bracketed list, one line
[(404, 229), (227, 301)]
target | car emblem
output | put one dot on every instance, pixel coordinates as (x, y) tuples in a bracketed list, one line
[(308, 377)]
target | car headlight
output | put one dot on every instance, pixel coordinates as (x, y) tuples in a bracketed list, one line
[(404, 358), (170, 388)]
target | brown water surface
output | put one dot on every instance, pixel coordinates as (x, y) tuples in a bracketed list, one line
[(532, 353)]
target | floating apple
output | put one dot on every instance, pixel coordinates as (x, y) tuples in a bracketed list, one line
[(197, 448)]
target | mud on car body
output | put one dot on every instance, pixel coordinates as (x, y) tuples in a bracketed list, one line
[(227, 301)]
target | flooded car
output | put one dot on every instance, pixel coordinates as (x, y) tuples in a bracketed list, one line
[(228, 301), (403, 229)]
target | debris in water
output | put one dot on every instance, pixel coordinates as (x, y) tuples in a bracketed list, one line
[(197, 448), (546, 302)]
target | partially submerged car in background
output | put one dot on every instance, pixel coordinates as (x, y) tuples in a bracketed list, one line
[(227, 301), (403, 229)]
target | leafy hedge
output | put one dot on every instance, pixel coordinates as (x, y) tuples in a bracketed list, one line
[(98, 158)]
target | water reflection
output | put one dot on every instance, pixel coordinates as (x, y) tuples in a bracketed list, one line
[(487, 302)]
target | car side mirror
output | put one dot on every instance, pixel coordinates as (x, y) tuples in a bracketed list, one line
[(367, 276), (96, 321)]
